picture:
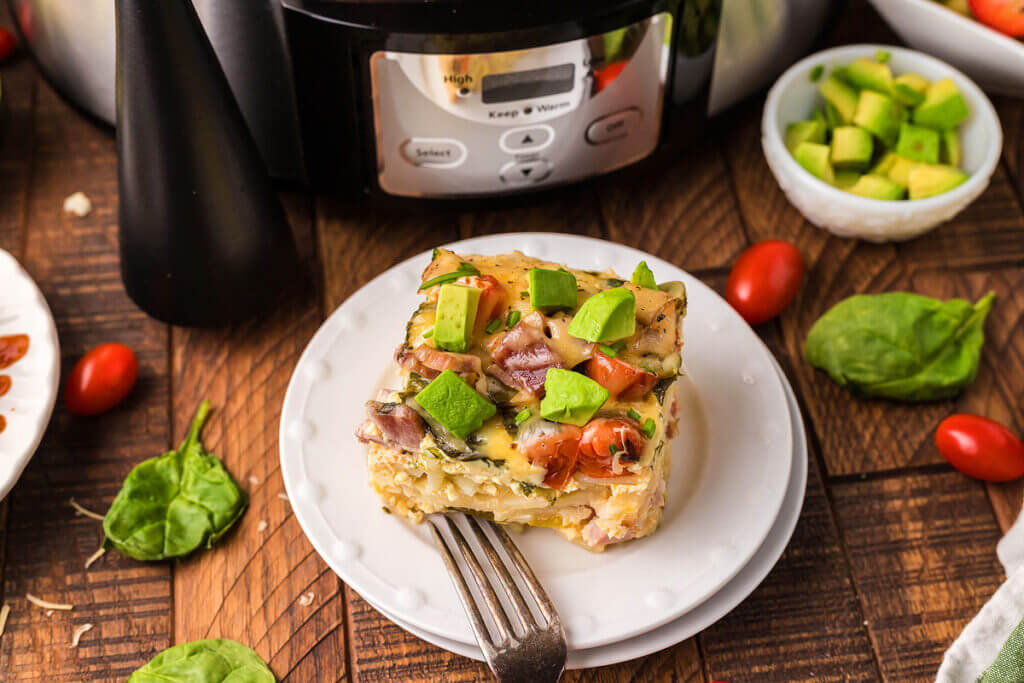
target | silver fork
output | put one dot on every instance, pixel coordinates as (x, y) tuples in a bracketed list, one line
[(537, 652)]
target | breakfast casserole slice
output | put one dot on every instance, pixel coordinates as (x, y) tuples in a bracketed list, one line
[(532, 394)]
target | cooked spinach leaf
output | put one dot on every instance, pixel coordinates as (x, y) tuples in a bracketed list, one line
[(174, 504), (900, 346), (205, 661), (661, 388)]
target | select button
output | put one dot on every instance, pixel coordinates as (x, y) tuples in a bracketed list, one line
[(434, 152)]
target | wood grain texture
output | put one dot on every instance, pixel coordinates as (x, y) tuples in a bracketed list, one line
[(922, 552), (250, 586), (75, 262), (16, 113)]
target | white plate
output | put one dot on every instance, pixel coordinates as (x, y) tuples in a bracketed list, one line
[(995, 60), (721, 506), (707, 613), (29, 403)]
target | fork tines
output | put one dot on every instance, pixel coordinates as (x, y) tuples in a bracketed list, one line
[(545, 633)]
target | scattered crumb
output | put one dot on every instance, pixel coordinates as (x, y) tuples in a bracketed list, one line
[(46, 604), (307, 599), (48, 612), (95, 556), (283, 496), (78, 204), (254, 481), (76, 635), (81, 511), (262, 526), (4, 612)]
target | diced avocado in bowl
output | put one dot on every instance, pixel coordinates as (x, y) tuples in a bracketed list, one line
[(882, 135)]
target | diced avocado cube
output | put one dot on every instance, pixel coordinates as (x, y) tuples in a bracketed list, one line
[(815, 159), (552, 290), (455, 405), (833, 119), (909, 89), (900, 170), (847, 179), (877, 187), (918, 143), (928, 180), (571, 397), (643, 277), (840, 95), (869, 74), (607, 316), (884, 164), (819, 115), (879, 114), (455, 317), (943, 106), (804, 131), (852, 148), (949, 150)]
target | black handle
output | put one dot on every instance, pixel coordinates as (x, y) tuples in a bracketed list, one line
[(204, 240)]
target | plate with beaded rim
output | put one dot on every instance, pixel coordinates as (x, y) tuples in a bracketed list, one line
[(28, 386), (730, 463)]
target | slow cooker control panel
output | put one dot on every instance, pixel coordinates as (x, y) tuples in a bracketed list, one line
[(462, 125)]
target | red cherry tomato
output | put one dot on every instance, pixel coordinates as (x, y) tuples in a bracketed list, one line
[(8, 44), (764, 280), (980, 448), (101, 379), (1005, 16)]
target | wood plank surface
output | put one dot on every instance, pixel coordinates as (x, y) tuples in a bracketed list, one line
[(75, 262), (922, 552), (250, 587)]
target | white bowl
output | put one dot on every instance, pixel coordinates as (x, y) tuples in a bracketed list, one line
[(994, 60), (793, 98)]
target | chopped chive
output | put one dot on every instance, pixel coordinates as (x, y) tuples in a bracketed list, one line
[(633, 414), (613, 449), (493, 326), (883, 56), (464, 269), (428, 334), (649, 427), (433, 255), (619, 346), (524, 295), (513, 319), (523, 415), (816, 72), (609, 351)]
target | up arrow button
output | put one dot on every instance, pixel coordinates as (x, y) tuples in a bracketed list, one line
[(526, 140)]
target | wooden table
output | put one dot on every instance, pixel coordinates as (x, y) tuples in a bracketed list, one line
[(893, 554)]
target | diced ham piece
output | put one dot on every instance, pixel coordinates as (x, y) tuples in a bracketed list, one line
[(596, 537), (621, 379), (399, 425), (428, 362), (522, 356)]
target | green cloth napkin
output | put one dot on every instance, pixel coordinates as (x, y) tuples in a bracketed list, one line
[(1009, 664)]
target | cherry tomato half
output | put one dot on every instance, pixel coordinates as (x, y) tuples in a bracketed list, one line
[(1005, 16), (8, 44), (101, 379), (980, 447), (764, 280)]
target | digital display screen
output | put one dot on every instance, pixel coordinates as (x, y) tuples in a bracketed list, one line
[(521, 85)]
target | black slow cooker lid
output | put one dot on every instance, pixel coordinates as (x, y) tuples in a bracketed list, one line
[(570, 18)]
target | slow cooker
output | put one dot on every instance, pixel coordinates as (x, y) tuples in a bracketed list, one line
[(446, 99)]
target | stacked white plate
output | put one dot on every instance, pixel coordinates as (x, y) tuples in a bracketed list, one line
[(739, 469)]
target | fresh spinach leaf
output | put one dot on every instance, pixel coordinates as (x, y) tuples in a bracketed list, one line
[(174, 504), (205, 661), (900, 346)]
